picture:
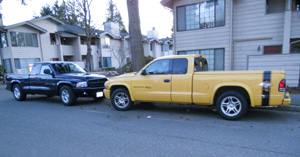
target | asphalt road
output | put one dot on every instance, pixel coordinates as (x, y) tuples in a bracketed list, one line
[(42, 126)]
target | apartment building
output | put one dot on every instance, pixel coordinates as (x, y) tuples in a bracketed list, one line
[(240, 34), (48, 39)]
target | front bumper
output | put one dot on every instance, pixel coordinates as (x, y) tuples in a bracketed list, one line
[(107, 93), (87, 92), (287, 99)]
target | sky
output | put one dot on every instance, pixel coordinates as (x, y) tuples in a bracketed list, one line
[(152, 13)]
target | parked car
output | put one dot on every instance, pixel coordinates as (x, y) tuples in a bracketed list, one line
[(64, 79), (185, 79)]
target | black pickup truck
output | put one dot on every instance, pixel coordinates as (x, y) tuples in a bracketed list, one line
[(64, 79)]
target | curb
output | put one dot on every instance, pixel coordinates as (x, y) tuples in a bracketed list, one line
[(292, 108)]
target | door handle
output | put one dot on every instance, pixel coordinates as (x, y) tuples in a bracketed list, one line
[(166, 80)]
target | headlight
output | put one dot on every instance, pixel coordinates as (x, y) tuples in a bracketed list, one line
[(81, 84)]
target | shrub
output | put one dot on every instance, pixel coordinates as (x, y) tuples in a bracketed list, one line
[(126, 68), (148, 59), (2, 71), (109, 68)]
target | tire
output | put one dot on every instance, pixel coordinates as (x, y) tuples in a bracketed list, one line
[(18, 93), (121, 100), (231, 105), (67, 95)]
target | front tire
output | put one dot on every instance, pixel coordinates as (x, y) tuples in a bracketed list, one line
[(67, 96), (121, 100), (18, 93), (231, 105)]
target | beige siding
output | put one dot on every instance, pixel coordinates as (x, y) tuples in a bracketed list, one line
[(295, 28), (5, 53), (146, 47), (254, 25), (26, 52), (49, 51), (217, 37), (290, 63)]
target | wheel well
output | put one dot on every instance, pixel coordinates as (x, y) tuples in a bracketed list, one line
[(232, 88), (60, 85), (12, 85), (113, 88)]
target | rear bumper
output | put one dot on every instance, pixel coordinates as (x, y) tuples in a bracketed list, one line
[(87, 92), (287, 99)]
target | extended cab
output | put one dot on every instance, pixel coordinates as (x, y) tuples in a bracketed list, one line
[(65, 79), (185, 79)]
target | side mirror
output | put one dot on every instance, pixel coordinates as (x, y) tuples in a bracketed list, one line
[(47, 71), (143, 72)]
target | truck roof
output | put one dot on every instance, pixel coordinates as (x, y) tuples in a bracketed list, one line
[(51, 62), (181, 56)]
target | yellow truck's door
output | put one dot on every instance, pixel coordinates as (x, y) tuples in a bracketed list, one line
[(154, 82), (181, 90)]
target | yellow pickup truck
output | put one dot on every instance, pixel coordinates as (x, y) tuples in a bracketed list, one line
[(185, 79)]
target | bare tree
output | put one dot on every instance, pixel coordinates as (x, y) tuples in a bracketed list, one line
[(119, 52), (135, 36), (84, 8)]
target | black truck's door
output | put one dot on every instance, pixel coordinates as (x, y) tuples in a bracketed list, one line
[(34, 78), (46, 83)]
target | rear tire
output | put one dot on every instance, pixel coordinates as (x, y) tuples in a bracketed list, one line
[(231, 105), (18, 93), (67, 96), (121, 100)]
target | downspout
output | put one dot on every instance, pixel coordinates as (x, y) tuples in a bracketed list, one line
[(42, 54), (231, 48)]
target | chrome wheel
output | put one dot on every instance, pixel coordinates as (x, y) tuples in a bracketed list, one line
[(65, 96), (121, 100), (17, 93), (231, 106)]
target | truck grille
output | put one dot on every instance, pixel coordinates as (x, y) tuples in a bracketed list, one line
[(97, 83)]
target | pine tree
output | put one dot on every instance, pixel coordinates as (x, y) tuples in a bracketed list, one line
[(113, 14)]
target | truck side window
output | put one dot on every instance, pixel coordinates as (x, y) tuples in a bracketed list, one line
[(200, 64), (159, 67), (35, 69), (180, 66), (44, 67)]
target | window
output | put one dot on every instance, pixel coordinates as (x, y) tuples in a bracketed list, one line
[(159, 67), (151, 46), (82, 40), (7, 64), (3, 40), (127, 44), (106, 61), (180, 66), (52, 39), (202, 15), (23, 63), (192, 16), (63, 68), (275, 6), (166, 47), (127, 59), (105, 43), (272, 49), (44, 67), (215, 57), (93, 41), (36, 69), (23, 39), (296, 5)]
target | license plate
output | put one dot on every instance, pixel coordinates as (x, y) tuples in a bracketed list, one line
[(99, 94)]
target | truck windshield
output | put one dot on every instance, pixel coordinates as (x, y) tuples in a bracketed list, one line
[(67, 68)]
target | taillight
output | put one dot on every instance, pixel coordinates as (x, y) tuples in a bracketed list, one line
[(282, 86)]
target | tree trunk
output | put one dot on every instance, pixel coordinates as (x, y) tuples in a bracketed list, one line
[(135, 36), (88, 55)]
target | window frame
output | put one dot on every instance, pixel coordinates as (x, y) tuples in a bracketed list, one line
[(35, 42), (184, 6), (206, 58)]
